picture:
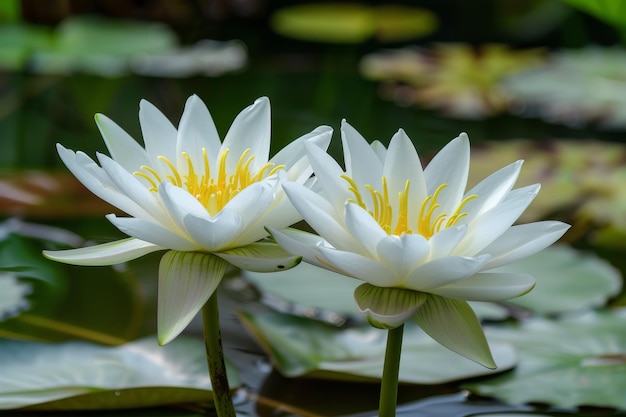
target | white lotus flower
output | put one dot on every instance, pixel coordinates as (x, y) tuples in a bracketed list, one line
[(205, 201), (421, 243)]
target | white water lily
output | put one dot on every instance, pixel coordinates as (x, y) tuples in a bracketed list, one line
[(205, 201), (422, 244)]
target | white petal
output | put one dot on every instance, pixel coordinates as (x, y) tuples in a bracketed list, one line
[(264, 256), (488, 287), (523, 240), (365, 230), (217, 233), (105, 254), (453, 324), (379, 149), (403, 253), (186, 282), (152, 232), (387, 308), (362, 163), (491, 190), (196, 131), (159, 134), (450, 166), (179, 204), (445, 241), (294, 155), (328, 176), (444, 271), (401, 164), (488, 227), (250, 129), (123, 148), (360, 267), (318, 213), (92, 177), (130, 186), (300, 243)]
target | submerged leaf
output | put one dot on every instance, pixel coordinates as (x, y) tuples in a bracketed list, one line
[(82, 376)]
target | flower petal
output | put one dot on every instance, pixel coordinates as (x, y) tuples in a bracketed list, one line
[(186, 281), (214, 234), (179, 204), (402, 164), (387, 308), (159, 134), (523, 240), (453, 323), (450, 166), (300, 243), (362, 163), (294, 155), (403, 253), (125, 150), (262, 256), (491, 190), (105, 254), (196, 131), (152, 232), (328, 175), (319, 214), (443, 271), (488, 286), (366, 231), (360, 267), (490, 225), (445, 241), (250, 130)]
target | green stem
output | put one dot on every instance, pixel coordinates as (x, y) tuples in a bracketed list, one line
[(389, 383), (215, 358)]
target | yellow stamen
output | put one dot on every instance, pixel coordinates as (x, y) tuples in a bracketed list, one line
[(428, 221), (212, 193)]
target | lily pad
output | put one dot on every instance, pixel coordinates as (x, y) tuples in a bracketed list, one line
[(567, 280), (574, 362), (12, 295), (352, 22), (83, 376), (301, 347)]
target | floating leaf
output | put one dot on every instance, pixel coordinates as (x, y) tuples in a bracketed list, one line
[(304, 347), (567, 280), (83, 376), (352, 22), (574, 362)]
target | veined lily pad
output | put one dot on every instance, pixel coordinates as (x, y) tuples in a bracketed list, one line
[(304, 347), (567, 280), (573, 362), (82, 376)]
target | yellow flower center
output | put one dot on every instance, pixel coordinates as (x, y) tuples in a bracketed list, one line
[(428, 223), (212, 192)]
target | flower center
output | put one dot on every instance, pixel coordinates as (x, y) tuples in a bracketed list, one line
[(427, 223), (213, 192)]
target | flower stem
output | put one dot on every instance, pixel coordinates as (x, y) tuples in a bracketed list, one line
[(215, 358), (389, 383)]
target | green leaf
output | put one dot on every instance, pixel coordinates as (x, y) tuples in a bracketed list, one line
[(387, 308), (567, 280), (568, 363), (612, 12), (83, 376), (304, 347)]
